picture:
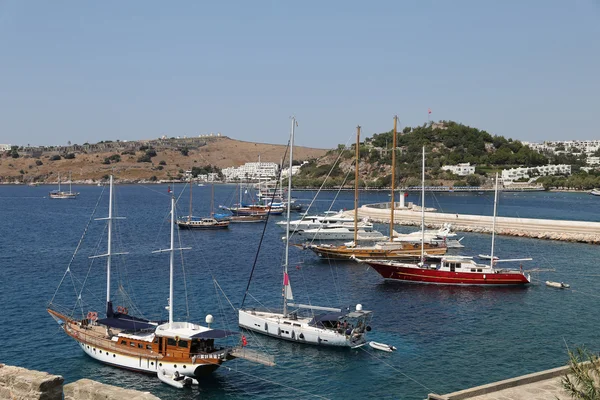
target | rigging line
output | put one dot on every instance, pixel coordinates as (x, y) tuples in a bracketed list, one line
[(262, 236), (332, 202), (221, 289), (187, 306), (396, 369), (276, 383), (323, 184), (154, 190), (78, 244)]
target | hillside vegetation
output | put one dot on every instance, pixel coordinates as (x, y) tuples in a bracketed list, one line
[(446, 143)]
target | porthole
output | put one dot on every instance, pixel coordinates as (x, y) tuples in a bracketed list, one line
[(152, 363), (175, 366), (114, 355), (184, 367), (160, 365)]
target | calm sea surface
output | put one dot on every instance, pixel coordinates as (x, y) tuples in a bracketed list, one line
[(448, 338)]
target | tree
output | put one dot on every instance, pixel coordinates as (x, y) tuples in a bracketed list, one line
[(581, 381), (473, 180)]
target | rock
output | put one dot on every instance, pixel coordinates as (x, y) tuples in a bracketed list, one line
[(87, 389), (23, 384)]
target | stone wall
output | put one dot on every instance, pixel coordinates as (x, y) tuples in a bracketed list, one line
[(22, 384)]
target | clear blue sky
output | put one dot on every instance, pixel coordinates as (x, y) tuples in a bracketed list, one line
[(104, 70)]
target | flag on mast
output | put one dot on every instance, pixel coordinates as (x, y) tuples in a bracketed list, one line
[(429, 111)]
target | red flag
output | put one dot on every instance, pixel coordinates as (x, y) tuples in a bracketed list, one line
[(244, 341), (286, 279), (169, 189), (429, 111)]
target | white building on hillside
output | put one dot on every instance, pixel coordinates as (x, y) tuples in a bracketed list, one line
[(593, 161), (252, 171), (460, 169), (5, 147), (513, 174)]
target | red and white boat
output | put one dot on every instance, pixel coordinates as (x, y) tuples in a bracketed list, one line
[(449, 270)]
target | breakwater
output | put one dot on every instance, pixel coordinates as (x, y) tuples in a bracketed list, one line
[(23, 384), (570, 231)]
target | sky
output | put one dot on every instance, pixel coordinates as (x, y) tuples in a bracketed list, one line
[(85, 71)]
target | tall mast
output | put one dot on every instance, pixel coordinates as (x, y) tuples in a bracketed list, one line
[(494, 222), (171, 259), (286, 282), (212, 199), (423, 209), (70, 182), (356, 185), (392, 206), (109, 240), (59, 181), (190, 216)]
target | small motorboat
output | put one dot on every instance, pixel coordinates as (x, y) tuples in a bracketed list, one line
[(382, 346), (559, 285), (176, 380)]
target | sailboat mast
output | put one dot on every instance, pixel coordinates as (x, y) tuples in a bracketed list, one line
[(109, 240), (287, 230), (494, 222), (70, 182), (171, 259), (392, 206), (423, 209), (59, 181), (212, 200), (190, 216), (356, 185)]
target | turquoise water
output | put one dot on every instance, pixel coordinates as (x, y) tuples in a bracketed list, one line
[(448, 338)]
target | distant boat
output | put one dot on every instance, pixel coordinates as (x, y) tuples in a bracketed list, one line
[(595, 192), (59, 194), (559, 285), (192, 222)]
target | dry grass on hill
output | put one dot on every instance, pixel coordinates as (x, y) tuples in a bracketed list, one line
[(222, 152)]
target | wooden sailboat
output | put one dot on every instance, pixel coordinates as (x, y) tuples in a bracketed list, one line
[(123, 340), (452, 270), (333, 327), (59, 194), (383, 250), (211, 222)]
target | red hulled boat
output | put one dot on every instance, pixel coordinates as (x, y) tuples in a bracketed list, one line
[(449, 270)]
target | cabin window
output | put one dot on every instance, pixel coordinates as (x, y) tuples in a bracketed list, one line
[(148, 347), (140, 346), (171, 342), (457, 265), (124, 342), (287, 323), (132, 344), (479, 270), (473, 269), (183, 343), (296, 324), (155, 340)]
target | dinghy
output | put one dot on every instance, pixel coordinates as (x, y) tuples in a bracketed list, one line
[(176, 380), (559, 285), (382, 346)]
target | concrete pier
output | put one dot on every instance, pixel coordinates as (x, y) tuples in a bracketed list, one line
[(571, 231), (537, 386)]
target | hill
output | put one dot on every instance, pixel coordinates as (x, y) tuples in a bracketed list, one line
[(92, 162), (446, 143)]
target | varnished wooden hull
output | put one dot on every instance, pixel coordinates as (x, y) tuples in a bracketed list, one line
[(403, 252)]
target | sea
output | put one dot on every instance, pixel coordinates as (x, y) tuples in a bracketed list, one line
[(447, 338)]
